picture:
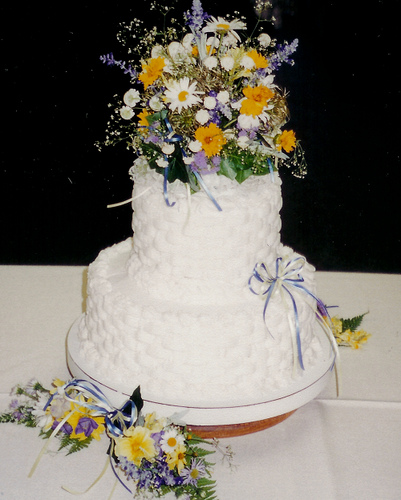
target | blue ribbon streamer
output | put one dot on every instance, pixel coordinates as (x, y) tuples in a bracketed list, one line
[(287, 276), (271, 170)]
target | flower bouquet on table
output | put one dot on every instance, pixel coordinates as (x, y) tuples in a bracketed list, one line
[(150, 456), (203, 99)]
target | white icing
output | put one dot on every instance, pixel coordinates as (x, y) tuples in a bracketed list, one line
[(170, 309)]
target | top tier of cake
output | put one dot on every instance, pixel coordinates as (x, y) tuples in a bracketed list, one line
[(194, 253)]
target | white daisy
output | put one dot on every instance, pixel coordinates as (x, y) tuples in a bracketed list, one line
[(210, 62), (155, 103), (247, 62), (195, 146), (227, 63), (248, 122), (170, 440), (180, 94), (131, 97), (127, 112), (162, 163), (202, 116), (168, 148), (223, 96), (264, 39), (222, 26), (209, 102)]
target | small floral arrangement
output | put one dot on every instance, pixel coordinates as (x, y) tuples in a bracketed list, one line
[(78, 425), (203, 99), (151, 455), (347, 331)]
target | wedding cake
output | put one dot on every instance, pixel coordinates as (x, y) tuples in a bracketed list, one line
[(171, 308), (204, 307)]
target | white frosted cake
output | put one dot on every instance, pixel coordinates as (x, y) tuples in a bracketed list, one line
[(172, 309), (204, 307)]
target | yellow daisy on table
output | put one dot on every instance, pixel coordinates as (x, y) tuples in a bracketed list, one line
[(151, 71), (136, 444), (211, 138), (181, 94), (177, 458), (222, 26)]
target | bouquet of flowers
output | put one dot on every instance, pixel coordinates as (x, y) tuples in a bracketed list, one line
[(149, 455), (203, 100)]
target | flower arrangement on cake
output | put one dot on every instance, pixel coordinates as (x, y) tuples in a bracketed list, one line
[(149, 455), (203, 99)]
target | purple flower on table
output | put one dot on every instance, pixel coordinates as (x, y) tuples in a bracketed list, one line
[(192, 474), (86, 425), (66, 427)]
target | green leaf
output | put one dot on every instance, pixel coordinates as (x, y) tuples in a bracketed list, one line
[(243, 176), (353, 323), (227, 168), (161, 115)]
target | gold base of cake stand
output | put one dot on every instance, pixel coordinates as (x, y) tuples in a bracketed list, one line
[(234, 430)]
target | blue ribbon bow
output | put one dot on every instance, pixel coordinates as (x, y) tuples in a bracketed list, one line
[(287, 276), (116, 419)]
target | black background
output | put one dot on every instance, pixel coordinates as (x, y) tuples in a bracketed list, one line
[(344, 101)]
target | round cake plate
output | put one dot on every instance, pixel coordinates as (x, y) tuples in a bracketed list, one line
[(210, 421)]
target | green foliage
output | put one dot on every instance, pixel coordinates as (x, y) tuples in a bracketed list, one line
[(74, 444), (352, 323)]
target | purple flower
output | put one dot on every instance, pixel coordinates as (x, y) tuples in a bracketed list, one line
[(195, 18), (18, 415), (283, 53), (86, 425), (66, 428), (110, 61), (192, 474)]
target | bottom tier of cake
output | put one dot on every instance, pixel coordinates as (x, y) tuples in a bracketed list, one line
[(218, 419)]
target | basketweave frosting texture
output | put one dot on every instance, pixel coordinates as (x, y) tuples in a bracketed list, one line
[(171, 309)]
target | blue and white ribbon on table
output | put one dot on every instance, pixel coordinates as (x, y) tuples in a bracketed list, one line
[(287, 278)]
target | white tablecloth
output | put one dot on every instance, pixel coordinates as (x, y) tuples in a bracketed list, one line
[(332, 448)]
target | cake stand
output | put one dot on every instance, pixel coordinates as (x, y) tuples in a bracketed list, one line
[(213, 420)]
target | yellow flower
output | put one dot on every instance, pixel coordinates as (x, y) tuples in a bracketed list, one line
[(56, 383), (337, 325), (142, 118), (177, 458), (136, 445), (287, 141), (153, 423), (258, 59), (211, 138), (151, 71), (256, 100)]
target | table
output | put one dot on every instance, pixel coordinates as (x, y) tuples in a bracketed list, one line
[(332, 448)]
